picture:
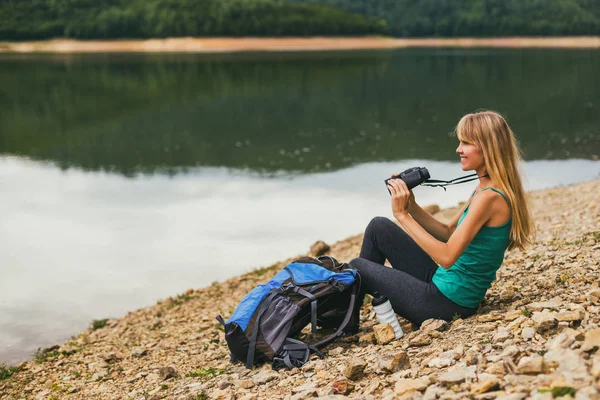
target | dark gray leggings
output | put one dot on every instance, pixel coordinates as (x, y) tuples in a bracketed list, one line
[(408, 284)]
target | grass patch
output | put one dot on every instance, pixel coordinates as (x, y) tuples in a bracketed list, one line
[(99, 324), (164, 387), (525, 311), (204, 373), (179, 300), (41, 356), (6, 371), (560, 391)]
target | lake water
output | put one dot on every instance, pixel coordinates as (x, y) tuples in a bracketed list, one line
[(129, 178)]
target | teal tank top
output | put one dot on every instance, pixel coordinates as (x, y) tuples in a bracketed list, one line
[(466, 282)]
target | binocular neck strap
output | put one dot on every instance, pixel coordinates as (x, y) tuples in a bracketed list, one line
[(455, 181)]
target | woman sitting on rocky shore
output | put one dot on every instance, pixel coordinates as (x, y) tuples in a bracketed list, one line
[(444, 270)]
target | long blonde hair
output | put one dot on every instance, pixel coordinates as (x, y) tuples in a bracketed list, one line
[(490, 131)]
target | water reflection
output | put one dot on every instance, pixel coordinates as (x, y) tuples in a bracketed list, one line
[(78, 245), (291, 112)]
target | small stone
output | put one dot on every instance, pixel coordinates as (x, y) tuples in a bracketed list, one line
[(595, 370), (445, 359), (470, 357), (139, 352), (564, 339), (531, 365), (485, 385), (264, 376), (384, 333), (542, 396), (367, 339), (510, 351), (336, 352), (406, 385), (507, 295), (305, 395), (501, 335), (167, 372), (544, 321), (342, 386), (244, 383), (394, 363), (569, 316), (224, 384), (111, 357), (528, 333), (452, 377), (434, 325), (538, 306), (102, 373), (592, 340), (319, 248), (354, 369), (496, 368), (512, 315), (594, 296), (422, 339), (307, 387), (485, 328)]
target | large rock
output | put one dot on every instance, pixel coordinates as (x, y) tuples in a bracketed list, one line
[(421, 339), (445, 359), (354, 369), (394, 363), (528, 333), (544, 320), (384, 333), (456, 376), (531, 365), (592, 340), (403, 386), (552, 304), (264, 376), (570, 316), (485, 385), (434, 325)]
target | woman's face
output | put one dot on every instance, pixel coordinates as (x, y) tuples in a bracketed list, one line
[(471, 156)]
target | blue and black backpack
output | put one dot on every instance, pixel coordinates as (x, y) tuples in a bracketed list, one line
[(265, 325)]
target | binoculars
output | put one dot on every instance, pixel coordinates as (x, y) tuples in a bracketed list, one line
[(412, 177)]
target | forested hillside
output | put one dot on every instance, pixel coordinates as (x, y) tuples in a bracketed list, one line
[(417, 18), (96, 19)]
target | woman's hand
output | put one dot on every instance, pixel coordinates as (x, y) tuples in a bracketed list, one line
[(402, 197)]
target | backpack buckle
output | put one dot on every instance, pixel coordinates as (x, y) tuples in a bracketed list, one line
[(337, 284), (286, 287)]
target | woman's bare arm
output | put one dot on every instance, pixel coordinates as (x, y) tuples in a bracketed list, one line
[(435, 228), (446, 254)]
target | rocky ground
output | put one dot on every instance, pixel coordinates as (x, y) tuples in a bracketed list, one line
[(535, 336)]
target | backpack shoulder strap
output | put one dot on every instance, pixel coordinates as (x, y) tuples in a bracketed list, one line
[(340, 331)]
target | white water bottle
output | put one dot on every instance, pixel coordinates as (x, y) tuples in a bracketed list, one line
[(385, 313)]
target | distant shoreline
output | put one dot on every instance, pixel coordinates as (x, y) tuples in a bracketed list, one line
[(230, 45)]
